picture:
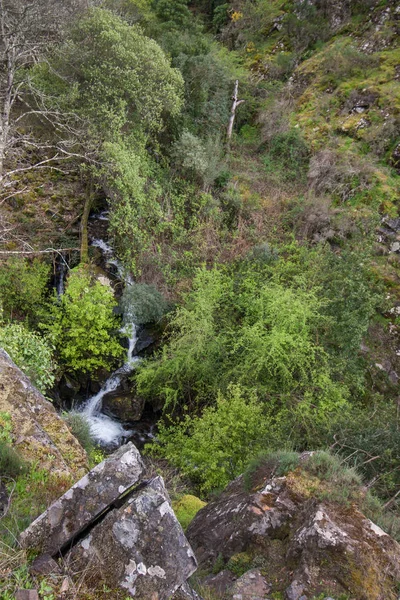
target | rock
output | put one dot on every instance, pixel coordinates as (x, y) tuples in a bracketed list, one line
[(294, 591), (124, 405), (44, 565), (395, 247), (139, 547), (186, 592), (297, 540), (221, 582), (251, 586), (80, 505), (26, 595), (38, 433), (65, 586)]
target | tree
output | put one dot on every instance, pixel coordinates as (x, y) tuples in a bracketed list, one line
[(27, 29)]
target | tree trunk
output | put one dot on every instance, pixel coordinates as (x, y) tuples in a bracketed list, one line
[(235, 104), (84, 224)]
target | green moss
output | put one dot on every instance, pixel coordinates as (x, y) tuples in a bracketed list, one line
[(187, 508)]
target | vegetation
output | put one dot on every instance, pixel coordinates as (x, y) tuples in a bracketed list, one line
[(84, 326), (31, 352), (270, 267)]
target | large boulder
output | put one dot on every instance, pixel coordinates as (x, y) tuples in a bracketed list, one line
[(303, 544), (117, 528), (84, 502), (38, 433), (139, 547)]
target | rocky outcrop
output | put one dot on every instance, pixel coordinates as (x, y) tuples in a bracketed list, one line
[(289, 541), (38, 433), (119, 529), (84, 502), (140, 547)]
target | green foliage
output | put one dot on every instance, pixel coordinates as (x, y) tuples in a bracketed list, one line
[(80, 428), (186, 508), (288, 156), (174, 12), (142, 304), (23, 288), (11, 464), (84, 325), (31, 352), (121, 78), (343, 61), (215, 448), (248, 329)]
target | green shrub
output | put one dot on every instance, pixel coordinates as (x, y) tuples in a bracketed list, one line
[(23, 288), (215, 448), (288, 156), (11, 464), (31, 352), (84, 327), (142, 304)]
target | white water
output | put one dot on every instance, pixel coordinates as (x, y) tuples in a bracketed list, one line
[(103, 428)]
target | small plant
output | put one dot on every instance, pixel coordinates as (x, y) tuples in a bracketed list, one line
[(80, 428), (143, 304), (11, 464), (269, 464)]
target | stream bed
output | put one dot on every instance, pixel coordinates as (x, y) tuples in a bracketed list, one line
[(107, 430)]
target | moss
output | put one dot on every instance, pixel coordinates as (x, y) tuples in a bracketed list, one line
[(187, 508)]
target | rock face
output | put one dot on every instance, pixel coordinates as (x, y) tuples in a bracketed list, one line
[(140, 547), (38, 433), (303, 546), (117, 528), (80, 505)]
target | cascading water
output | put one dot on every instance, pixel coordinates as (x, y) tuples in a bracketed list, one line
[(103, 428)]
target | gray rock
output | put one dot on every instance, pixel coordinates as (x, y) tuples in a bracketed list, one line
[(294, 591), (26, 595), (139, 547), (44, 565), (251, 586), (220, 583), (81, 504)]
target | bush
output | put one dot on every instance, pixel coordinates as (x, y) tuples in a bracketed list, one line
[(84, 324), (23, 288), (215, 448), (142, 303), (31, 352), (288, 156)]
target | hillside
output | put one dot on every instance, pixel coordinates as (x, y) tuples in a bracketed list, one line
[(200, 239)]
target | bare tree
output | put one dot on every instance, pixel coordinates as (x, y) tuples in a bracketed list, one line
[(27, 29), (235, 104)]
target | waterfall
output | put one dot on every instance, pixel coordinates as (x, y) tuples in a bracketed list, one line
[(103, 428)]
